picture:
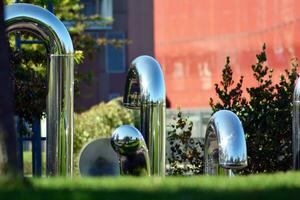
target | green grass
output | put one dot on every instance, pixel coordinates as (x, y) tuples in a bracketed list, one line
[(276, 186), (27, 163)]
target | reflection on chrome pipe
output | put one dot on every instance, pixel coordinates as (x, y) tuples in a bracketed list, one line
[(49, 29), (296, 127), (145, 90), (129, 144), (225, 144)]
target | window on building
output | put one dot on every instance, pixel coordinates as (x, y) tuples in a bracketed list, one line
[(114, 56), (103, 8)]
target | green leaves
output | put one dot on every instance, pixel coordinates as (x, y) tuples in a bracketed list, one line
[(185, 154), (100, 121), (265, 114), (30, 62), (227, 93)]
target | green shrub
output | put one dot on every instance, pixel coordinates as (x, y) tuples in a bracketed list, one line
[(100, 121), (185, 153), (266, 114)]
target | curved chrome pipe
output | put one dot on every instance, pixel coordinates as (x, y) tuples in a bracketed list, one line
[(225, 144), (145, 90), (47, 27), (296, 127), (129, 144), (42, 23)]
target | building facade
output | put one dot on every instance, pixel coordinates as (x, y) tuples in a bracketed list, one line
[(132, 20), (192, 39)]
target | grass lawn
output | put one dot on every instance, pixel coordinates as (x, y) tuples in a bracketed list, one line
[(27, 164), (277, 186)]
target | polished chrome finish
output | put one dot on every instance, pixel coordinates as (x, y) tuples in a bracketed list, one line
[(47, 27), (42, 23), (296, 127), (145, 90), (129, 144), (97, 158), (225, 144)]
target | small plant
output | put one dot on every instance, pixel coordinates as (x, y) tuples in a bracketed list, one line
[(186, 153), (266, 114)]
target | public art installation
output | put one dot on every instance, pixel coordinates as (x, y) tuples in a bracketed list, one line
[(97, 158), (145, 90), (225, 144), (129, 143), (60, 73), (296, 127)]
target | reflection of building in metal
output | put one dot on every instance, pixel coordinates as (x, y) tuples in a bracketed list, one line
[(193, 38), (151, 101)]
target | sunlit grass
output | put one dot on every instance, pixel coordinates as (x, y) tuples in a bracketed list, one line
[(275, 186), (27, 163)]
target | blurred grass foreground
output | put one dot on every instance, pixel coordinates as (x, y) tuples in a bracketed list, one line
[(272, 186)]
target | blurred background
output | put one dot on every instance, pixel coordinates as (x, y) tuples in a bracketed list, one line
[(190, 38)]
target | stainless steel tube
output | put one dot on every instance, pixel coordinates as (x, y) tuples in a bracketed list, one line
[(129, 144), (49, 29), (225, 144), (145, 90), (296, 127)]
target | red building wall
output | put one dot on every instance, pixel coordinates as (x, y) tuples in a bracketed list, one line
[(193, 37)]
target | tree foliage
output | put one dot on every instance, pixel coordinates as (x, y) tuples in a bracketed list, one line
[(266, 114), (186, 153), (29, 62)]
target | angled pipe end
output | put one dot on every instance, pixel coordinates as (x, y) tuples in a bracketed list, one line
[(129, 144), (144, 83), (40, 22), (225, 144)]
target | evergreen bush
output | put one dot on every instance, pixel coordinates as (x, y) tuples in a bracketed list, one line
[(265, 112)]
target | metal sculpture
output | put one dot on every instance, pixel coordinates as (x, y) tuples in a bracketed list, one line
[(60, 73), (129, 144), (225, 144), (296, 127), (145, 90)]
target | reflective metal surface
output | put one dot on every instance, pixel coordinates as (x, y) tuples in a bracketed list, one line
[(129, 143), (145, 90), (47, 27), (97, 158), (296, 127), (225, 144)]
